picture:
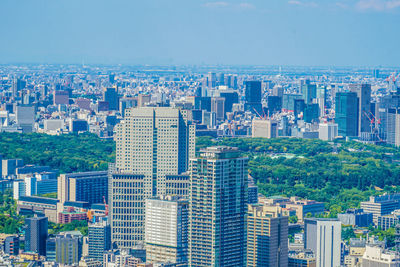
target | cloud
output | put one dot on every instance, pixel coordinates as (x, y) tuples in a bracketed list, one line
[(216, 4), (377, 5), (221, 4), (246, 6), (302, 3)]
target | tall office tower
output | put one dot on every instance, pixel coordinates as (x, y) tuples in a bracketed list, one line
[(99, 240), (90, 187), (321, 99), (363, 92), (346, 113), (25, 117), (311, 113), (267, 237), (177, 185), (151, 144), (69, 248), (253, 96), (231, 97), (309, 92), (211, 79), (166, 233), (323, 236), (328, 131), (218, 106), (393, 126), (221, 79), (36, 234), (217, 208), (278, 91), (111, 96)]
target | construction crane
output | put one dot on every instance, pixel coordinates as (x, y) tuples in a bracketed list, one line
[(373, 123)]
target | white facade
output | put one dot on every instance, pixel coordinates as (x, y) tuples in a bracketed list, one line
[(377, 256), (328, 131), (323, 237), (264, 128)]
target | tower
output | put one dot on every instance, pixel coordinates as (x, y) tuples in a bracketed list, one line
[(217, 209)]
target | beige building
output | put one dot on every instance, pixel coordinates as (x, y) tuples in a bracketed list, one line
[(264, 128), (267, 231), (151, 144)]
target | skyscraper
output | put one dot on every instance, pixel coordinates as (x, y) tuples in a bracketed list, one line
[(346, 113), (217, 208), (309, 92), (363, 92), (151, 144), (218, 106), (111, 96), (69, 248), (323, 236), (267, 237), (36, 234), (253, 96), (167, 230)]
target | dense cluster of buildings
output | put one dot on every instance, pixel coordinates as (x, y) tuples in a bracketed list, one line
[(164, 204)]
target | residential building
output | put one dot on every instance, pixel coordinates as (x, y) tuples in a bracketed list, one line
[(217, 208), (267, 237)]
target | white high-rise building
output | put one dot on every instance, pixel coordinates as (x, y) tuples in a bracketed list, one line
[(166, 231), (323, 237), (152, 142)]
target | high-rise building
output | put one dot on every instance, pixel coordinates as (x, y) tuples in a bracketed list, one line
[(323, 237), (151, 144), (217, 208), (61, 97), (253, 96), (69, 248), (89, 187), (99, 240), (166, 233), (211, 79), (25, 117), (231, 97), (346, 113), (218, 106), (309, 92), (363, 92), (36, 234), (393, 126), (11, 245), (111, 96), (267, 237)]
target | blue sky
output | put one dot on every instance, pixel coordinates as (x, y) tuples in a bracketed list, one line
[(248, 32)]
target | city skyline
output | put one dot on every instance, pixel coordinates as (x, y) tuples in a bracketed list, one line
[(340, 33)]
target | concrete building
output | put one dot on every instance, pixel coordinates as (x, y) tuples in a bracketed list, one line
[(217, 209), (166, 231), (264, 128), (218, 107), (36, 234), (267, 237), (323, 237), (363, 92), (25, 117), (390, 220), (381, 205), (69, 248), (356, 217), (99, 240), (301, 258), (376, 256), (53, 125), (328, 131), (9, 166), (89, 187), (152, 143), (28, 205)]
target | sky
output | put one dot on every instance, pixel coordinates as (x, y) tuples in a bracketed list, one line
[(225, 32)]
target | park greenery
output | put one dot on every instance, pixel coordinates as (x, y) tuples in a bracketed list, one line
[(10, 221), (67, 153), (341, 174)]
